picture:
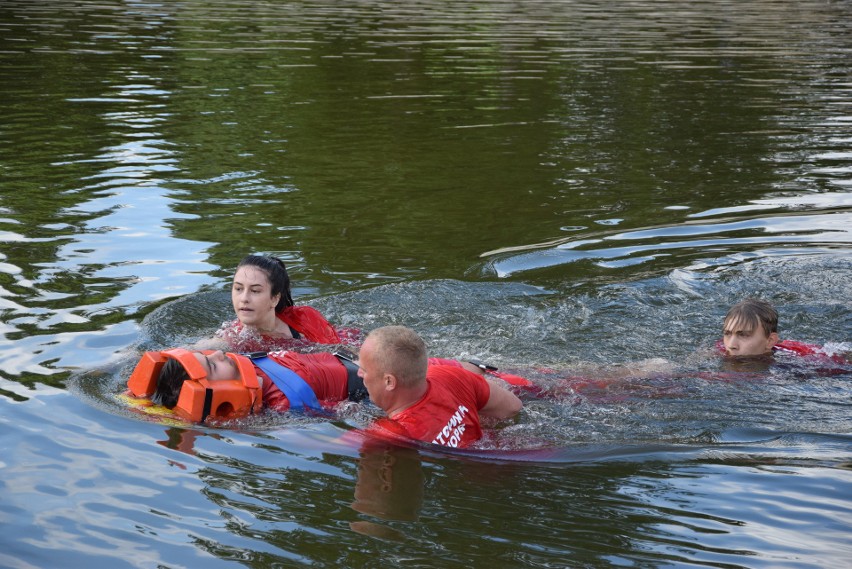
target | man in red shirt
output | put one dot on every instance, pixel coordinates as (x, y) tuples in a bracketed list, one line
[(439, 404)]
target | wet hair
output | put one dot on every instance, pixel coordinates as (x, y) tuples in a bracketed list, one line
[(169, 383), (400, 351), (276, 272), (751, 313)]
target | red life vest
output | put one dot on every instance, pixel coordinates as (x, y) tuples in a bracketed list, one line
[(309, 323), (798, 348), (789, 346)]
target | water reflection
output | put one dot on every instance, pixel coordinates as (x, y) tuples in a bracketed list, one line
[(650, 497), (830, 228), (390, 483)]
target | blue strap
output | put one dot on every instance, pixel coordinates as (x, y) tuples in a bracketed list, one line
[(288, 381)]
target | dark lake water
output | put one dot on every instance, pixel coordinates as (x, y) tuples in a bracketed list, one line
[(560, 188)]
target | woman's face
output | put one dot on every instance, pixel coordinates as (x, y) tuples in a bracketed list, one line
[(252, 297)]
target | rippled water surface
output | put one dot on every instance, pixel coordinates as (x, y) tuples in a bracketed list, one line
[(574, 191)]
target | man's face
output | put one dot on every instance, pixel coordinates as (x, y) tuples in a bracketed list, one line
[(218, 366), (743, 339), (370, 372)]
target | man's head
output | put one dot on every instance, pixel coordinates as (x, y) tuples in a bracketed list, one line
[(393, 362), (216, 365), (169, 383), (750, 328), (198, 385)]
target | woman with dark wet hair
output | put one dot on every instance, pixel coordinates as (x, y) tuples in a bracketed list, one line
[(266, 315)]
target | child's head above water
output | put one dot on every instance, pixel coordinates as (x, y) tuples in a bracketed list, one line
[(750, 328)]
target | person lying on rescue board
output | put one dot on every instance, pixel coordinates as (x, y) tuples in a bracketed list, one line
[(267, 317), (426, 399)]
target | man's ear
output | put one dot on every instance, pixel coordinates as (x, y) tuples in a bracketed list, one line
[(772, 340), (390, 381)]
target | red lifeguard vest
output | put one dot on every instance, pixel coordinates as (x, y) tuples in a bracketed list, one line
[(310, 323)]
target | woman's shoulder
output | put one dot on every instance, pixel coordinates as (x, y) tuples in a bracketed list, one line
[(310, 323), (300, 312)]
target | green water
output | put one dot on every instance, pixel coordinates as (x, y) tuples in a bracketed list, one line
[(542, 184)]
